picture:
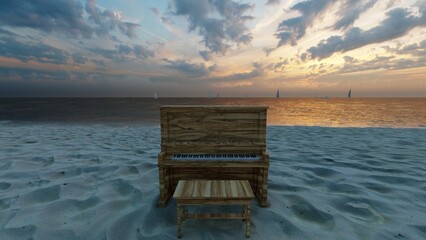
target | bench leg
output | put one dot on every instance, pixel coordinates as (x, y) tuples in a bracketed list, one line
[(247, 219), (180, 212)]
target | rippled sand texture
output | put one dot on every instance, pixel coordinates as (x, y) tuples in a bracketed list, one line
[(100, 182)]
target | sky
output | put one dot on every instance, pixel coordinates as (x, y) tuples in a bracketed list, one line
[(190, 48)]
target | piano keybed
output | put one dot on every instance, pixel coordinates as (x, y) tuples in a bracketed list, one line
[(217, 157)]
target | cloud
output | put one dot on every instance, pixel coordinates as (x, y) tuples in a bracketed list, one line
[(397, 23), (279, 66), (107, 20), (351, 10), (123, 52), (349, 59), (27, 82), (206, 55), (221, 23), (380, 62), (416, 49), (291, 30), (255, 72), (197, 70), (38, 53), (79, 58), (142, 52), (272, 2), (163, 18), (33, 74), (64, 16)]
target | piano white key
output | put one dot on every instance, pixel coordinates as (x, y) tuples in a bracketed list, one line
[(215, 157)]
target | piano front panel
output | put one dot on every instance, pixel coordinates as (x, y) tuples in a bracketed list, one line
[(203, 124)]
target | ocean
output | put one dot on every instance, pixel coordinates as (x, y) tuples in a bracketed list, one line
[(333, 112)]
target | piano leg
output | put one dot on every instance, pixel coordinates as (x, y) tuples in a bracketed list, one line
[(164, 187), (264, 191)]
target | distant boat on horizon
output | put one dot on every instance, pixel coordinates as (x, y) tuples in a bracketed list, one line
[(155, 96), (350, 93), (278, 93)]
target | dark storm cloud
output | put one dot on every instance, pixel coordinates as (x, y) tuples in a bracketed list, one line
[(193, 69), (11, 48), (291, 30), (221, 32), (350, 11), (397, 23), (65, 16)]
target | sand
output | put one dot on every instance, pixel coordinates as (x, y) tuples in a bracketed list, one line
[(99, 181)]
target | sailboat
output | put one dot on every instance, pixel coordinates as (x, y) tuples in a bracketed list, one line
[(350, 93), (155, 96), (278, 93)]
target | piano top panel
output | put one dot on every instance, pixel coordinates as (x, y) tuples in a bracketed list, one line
[(221, 108), (200, 125)]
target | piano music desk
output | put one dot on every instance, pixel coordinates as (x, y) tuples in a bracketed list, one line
[(213, 192)]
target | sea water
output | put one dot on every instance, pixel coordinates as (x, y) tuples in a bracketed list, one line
[(333, 112)]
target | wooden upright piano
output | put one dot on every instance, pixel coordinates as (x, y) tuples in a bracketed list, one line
[(213, 142)]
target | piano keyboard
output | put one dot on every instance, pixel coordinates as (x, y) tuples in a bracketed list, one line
[(245, 157)]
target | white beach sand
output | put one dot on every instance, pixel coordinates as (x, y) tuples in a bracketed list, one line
[(101, 182)]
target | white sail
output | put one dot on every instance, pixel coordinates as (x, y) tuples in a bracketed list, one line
[(155, 96)]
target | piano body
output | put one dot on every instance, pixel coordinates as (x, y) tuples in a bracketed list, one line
[(213, 142)]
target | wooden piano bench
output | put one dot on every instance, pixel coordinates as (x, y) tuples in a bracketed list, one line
[(213, 192)]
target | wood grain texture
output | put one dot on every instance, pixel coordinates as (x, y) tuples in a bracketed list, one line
[(216, 189), (213, 192), (204, 129)]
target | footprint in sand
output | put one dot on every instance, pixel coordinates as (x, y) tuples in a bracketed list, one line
[(359, 210), (4, 185), (41, 195), (307, 212), (24, 232)]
